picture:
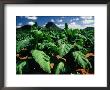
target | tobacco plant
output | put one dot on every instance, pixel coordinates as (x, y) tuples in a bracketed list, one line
[(51, 50)]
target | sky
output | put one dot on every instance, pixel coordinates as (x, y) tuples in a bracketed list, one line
[(75, 22)]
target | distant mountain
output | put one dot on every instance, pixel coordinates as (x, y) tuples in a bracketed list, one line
[(51, 26), (89, 28), (25, 27), (48, 26)]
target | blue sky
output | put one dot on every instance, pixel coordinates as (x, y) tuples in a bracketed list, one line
[(73, 21)]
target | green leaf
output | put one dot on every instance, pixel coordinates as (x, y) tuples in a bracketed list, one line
[(52, 47), (49, 46), (40, 46), (60, 68), (37, 34), (64, 49), (20, 66), (22, 44), (42, 59), (80, 36), (81, 60), (79, 47)]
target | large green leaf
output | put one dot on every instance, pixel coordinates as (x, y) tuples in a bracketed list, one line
[(22, 44), (20, 66), (64, 49), (60, 68), (81, 60), (42, 59)]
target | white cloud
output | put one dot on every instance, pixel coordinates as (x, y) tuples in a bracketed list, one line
[(19, 25), (60, 25), (86, 17), (88, 21), (74, 19), (71, 20), (31, 23), (52, 20), (60, 20), (91, 25), (43, 25), (31, 17), (75, 26), (73, 23), (77, 19)]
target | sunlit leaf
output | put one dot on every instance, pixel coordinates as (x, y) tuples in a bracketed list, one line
[(20, 66), (81, 60), (42, 59), (22, 44), (60, 68), (64, 49)]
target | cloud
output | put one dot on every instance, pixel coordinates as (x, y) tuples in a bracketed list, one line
[(31, 23), (88, 21), (52, 20), (19, 25), (73, 23), (71, 20), (86, 17), (74, 19), (75, 26), (60, 20), (60, 25), (31, 17), (91, 25), (77, 19), (43, 25)]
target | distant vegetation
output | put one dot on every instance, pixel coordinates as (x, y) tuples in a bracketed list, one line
[(52, 50)]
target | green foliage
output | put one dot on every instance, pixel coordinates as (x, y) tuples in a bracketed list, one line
[(42, 59), (64, 48), (81, 60), (60, 68), (20, 66), (22, 44), (37, 34)]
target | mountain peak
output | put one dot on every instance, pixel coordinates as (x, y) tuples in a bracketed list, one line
[(50, 24)]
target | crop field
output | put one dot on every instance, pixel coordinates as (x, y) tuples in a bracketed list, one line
[(50, 49)]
